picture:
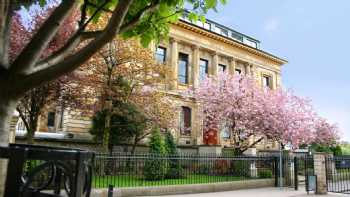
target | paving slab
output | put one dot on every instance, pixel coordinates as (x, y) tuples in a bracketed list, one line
[(261, 192)]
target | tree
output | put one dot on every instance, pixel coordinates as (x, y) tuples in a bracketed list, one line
[(156, 166), (61, 91), (174, 170), (146, 19), (126, 122), (124, 71), (250, 110)]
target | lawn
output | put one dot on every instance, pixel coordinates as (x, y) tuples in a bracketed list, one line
[(132, 181)]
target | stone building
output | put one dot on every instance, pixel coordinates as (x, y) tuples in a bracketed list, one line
[(193, 51)]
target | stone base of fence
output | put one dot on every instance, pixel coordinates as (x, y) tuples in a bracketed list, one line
[(185, 189)]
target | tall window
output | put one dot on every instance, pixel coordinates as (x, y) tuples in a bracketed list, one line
[(267, 81), (161, 54), (238, 71), (222, 68), (51, 119), (203, 69), (183, 68), (225, 130), (185, 121)]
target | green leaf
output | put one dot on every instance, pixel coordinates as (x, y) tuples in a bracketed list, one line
[(210, 4)]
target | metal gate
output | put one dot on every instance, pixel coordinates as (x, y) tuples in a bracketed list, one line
[(338, 174), (304, 169)]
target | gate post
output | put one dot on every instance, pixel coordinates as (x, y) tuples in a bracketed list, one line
[(320, 172)]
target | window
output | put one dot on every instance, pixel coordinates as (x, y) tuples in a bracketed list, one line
[(237, 36), (205, 25), (238, 71), (266, 81), (221, 31), (203, 69), (222, 68), (251, 43), (183, 68), (225, 131), (51, 119), (224, 32), (185, 121), (161, 54)]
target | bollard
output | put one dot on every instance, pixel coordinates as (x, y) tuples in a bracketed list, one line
[(110, 191)]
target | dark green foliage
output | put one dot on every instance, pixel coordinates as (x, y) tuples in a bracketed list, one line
[(203, 169), (175, 170), (265, 173), (156, 166), (126, 122), (240, 168), (335, 150)]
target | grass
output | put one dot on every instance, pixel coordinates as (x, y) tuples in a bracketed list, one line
[(132, 181)]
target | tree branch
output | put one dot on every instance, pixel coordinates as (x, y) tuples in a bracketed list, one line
[(72, 62), (32, 52), (64, 51), (23, 117), (5, 19), (136, 19), (73, 41), (255, 143)]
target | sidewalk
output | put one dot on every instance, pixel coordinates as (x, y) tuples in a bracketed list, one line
[(261, 192)]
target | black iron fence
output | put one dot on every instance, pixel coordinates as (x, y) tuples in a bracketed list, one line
[(338, 174), (127, 170), (47, 171)]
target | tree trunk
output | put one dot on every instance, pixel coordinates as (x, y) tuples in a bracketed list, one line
[(33, 126), (30, 135), (7, 107)]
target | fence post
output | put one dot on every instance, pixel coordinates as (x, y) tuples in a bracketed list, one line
[(276, 171), (110, 191), (296, 180), (320, 172)]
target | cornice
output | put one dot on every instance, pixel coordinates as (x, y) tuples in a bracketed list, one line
[(232, 42)]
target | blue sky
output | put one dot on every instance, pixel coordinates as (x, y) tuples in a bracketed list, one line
[(313, 36)]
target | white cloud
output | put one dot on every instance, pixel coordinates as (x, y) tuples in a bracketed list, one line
[(271, 25)]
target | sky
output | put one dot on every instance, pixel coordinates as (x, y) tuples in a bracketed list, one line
[(313, 36)]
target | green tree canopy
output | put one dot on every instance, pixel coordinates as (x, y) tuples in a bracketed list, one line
[(126, 122)]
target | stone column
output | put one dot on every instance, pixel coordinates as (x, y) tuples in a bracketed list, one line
[(320, 172), (252, 70), (195, 64), (174, 62), (13, 123), (214, 64), (232, 66), (277, 80), (247, 69)]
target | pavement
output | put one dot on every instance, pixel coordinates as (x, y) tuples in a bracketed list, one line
[(261, 192)]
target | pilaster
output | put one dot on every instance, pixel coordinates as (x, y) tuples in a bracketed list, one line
[(195, 64), (174, 61), (214, 66), (232, 66)]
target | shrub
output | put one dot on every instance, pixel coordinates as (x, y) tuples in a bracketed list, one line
[(265, 173), (240, 168), (156, 167), (175, 170), (203, 169)]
